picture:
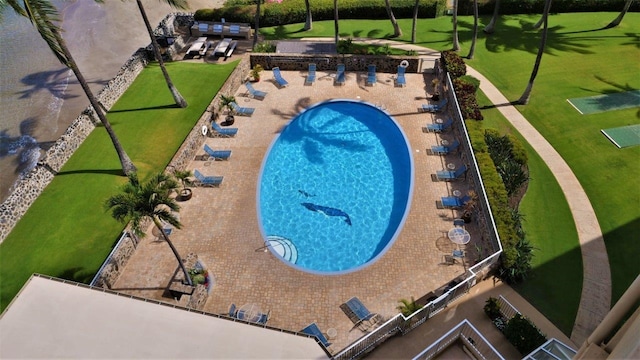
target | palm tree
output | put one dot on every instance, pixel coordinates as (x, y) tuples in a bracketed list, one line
[(416, 6), (618, 20), (151, 200), (397, 32), (44, 16), (257, 26), (472, 49), (490, 28), (335, 19), (456, 44), (180, 4), (539, 23), (308, 22), (524, 99)]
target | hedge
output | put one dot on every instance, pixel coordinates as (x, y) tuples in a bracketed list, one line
[(294, 11)]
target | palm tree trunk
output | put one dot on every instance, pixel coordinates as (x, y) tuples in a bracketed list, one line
[(335, 20), (416, 6), (618, 20), (456, 43), (491, 26), (524, 99), (396, 28), (177, 97), (174, 250), (308, 23), (257, 26), (125, 161), (539, 23), (472, 50)]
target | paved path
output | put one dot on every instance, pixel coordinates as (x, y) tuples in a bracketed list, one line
[(595, 300)]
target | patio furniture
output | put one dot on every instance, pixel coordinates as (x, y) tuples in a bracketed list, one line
[(202, 180), (311, 75), (221, 48), (223, 132), (217, 154), (371, 75), (244, 111), (217, 29), (251, 312), (277, 75), (400, 79), (313, 329), (232, 310), (449, 175), (454, 202), (253, 92), (459, 236), (458, 222), (440, 127), (198, 45), (358, 313), (435, 107), (445, 149), (340, 75), (264, 318)]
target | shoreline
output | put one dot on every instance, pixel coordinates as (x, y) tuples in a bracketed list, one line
[(101, 38)]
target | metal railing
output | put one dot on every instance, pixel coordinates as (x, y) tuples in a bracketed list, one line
[(470, 337), (506, 309)]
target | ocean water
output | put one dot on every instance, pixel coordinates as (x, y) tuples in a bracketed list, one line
[(40, 98)]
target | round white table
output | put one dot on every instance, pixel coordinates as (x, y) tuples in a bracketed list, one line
[(249, 312), (444, 142), (451, 166), (459, 235), (457, 193), (438, 121)]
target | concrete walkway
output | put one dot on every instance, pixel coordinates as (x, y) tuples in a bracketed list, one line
[(595, 300)]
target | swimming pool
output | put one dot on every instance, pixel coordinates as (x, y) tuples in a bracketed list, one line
[(335, 187)]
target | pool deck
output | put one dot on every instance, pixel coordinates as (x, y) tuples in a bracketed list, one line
[(220, 224)]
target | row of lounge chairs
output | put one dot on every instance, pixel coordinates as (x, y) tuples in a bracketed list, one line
[(340, 78)]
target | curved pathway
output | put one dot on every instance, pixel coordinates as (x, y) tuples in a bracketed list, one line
[(595, 300)]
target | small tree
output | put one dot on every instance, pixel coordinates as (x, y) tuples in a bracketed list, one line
[(184, 177), (225, 102), (522, 334), (148, 201)]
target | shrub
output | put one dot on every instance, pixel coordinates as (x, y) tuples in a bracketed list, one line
[(524, 335), (265, 47), (492, 308), (453, 63)]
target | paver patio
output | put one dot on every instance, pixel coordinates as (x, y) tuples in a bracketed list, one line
[(220, 224)]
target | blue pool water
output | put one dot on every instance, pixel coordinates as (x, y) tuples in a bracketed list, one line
[(337, 184)]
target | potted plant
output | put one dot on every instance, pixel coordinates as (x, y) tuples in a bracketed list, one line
[(407, 307), (225, 102), (469, 206), (183, 176), (436, 93), (255, 72)]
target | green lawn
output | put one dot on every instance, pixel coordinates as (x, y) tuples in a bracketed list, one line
[(67, 232), (580, 60)]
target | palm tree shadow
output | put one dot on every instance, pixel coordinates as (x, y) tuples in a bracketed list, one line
[(159, 107), (53, 81)]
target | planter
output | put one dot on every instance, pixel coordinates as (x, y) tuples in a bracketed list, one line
[(185, 194), (229, 120)]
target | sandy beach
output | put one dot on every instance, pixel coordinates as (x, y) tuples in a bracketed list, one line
[(39, 97)]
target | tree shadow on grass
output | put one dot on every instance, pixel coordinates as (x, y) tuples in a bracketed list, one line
[(159, 107)]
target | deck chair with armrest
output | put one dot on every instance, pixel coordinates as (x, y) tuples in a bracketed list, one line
[(232, 310), (340, 75), (217, 154), (264, 318), (445, 149), (446, 175), (256, 94), (360, 312), (313, 329), (311, 74), (436, 127), (435, 107), (400, 79), (223, 132), (202, 180), (239, 110), (371, 75), (277, 76)]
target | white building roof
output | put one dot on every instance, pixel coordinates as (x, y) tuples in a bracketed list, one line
[(53, 319)]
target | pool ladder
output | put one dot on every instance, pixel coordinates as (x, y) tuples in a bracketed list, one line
[(283, 247)]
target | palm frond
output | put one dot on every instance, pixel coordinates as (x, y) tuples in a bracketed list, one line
[(178, 4)]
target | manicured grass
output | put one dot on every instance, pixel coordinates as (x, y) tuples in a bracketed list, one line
[(580, 60), (67, 232), (547, 218)]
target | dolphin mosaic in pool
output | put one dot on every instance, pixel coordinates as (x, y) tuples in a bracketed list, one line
[(328, 211)]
